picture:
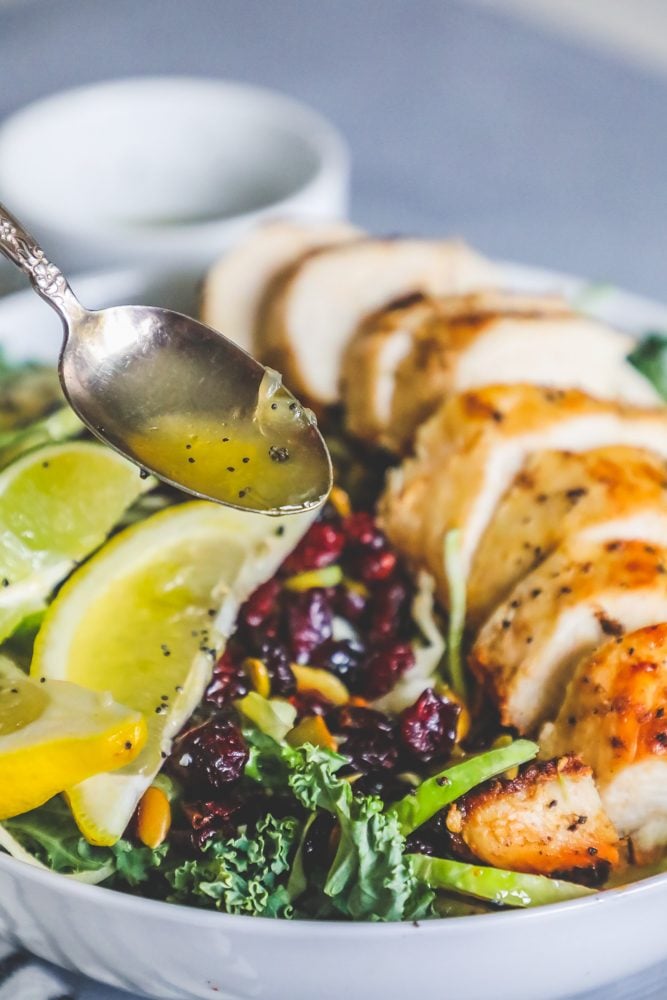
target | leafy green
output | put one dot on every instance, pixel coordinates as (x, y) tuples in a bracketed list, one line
[(435, 793), (273, 716), (19, 645), (650, 358), (267, 765), (246, 875), (297, 883), (369, 878), (135, 864), (52, 837), (503, 888), (261, 871), (243, 876)]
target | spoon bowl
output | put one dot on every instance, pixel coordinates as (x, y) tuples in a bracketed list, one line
[(179, 399)]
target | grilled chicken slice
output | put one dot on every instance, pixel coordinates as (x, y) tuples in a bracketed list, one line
[(615, 716), (547, 820), (403, 362), (470, 451), (370, 364), (561, 612), (235, 285), (604, 494), (314, 309)]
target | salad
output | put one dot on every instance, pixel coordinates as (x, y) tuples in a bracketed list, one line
[(354, 713)]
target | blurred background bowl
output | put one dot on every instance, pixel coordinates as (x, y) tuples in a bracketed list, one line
[(167, 170)]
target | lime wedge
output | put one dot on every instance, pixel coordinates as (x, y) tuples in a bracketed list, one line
[(57, 504), (61, 425), (145, 618), (55, 733)]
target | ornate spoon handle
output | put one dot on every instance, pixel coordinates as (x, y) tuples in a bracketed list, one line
[(24, 251)]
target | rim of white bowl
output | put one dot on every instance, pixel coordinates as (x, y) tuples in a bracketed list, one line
[(321, 135), (177, 912)]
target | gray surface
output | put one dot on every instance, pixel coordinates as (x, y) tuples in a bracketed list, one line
[(459, 119)]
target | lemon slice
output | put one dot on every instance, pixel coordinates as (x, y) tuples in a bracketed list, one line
[(57, 504), (56, 733), (145, 618)]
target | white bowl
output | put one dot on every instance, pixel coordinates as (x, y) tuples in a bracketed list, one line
[(169, 951), (166, 170)]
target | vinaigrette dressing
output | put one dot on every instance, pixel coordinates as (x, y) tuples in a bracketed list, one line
[(270, 460)]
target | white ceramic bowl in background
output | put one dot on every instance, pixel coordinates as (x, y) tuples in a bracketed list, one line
[(178, 953), (167, 170)]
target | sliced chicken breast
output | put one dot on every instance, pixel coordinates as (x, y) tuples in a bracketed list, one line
[(615, 716), (560, 613), (598, 495), (235, 285), (316, 306), (469, 452), (547, 820), (402, 363), (368, 374)]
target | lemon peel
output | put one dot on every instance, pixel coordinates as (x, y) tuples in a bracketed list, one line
[(55, 733), (145, 618)]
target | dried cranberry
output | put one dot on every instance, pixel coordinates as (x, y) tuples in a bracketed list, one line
[(383, 784), (342, 657), (353, 718), (434, 838), (320, 546), (374, 566), (370, 750), (367, 738), (211, 756), (367, 554), (208, 818), (260, 605), (350, 603), (361, 530), (385, 666), (428, 728), (228, 681), (389, 610), (277, 662), (310, 703), (309, 621)]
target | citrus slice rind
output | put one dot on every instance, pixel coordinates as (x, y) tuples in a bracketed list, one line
[(145, 618), (57, 504), (55, 733)]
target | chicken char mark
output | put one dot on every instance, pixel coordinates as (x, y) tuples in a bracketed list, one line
[(615, 716), (547, 821)]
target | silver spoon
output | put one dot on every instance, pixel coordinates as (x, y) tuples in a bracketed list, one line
[(178, 398)]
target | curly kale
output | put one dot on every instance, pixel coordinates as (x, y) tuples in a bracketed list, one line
[(247, 875)]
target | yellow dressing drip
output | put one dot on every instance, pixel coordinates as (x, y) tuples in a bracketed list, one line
[(270, 461)]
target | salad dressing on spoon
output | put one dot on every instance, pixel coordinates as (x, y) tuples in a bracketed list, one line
[(179, 399)]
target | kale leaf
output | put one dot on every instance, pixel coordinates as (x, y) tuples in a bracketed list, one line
[(247, 875), (650, 358), (370, 877)]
